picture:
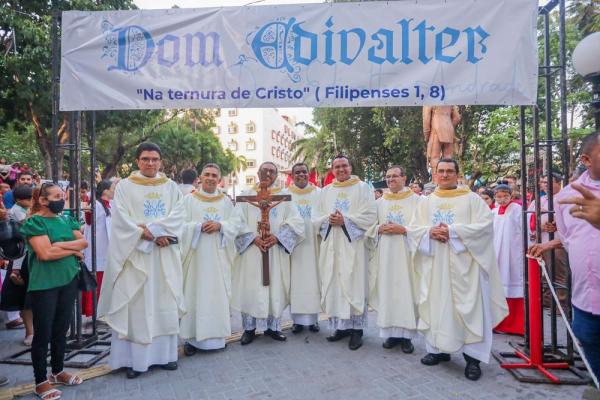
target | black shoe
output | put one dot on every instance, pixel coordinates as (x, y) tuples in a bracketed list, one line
[(314, 327), (297, 328), (391, 342), (132, 374), (472, 370), (435, 359), (339, 334), (406, 346), (248, 337), (275, 335), (189, 350), (355, 339), (170, 366)]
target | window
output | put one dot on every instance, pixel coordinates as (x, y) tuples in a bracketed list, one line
[(278, 138), (286, 129), (272, 151), (218, 112), (232, 145), (217, 130), (232, 128), (250, 180), (273, 135), (233, 112), (251, 163), (250, 127), (250, 145)]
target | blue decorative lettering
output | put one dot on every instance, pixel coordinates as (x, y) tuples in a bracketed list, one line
[(388, 46), (439, 45), (162, 60), (471, 43), (311, 37), (344, 45), (135, 47)]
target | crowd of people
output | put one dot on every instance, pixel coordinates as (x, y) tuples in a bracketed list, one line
[(174, 260)]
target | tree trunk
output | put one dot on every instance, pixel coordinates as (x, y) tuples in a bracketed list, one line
[(44, 142)]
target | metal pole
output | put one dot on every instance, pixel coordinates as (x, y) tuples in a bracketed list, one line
[(524, 219), (55, 90), (536, 178), (92, 148)]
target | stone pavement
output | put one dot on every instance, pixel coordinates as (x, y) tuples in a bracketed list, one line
[(304, 367)]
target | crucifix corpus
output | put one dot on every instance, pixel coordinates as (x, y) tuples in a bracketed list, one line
[(265, 202)]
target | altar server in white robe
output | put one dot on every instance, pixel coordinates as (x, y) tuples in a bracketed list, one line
[(346, 209), (142, 293), (207, 253), (392, 289), (461, 296), (305, 290), (262, 306)]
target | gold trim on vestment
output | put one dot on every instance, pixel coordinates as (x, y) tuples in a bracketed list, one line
[(137, 178), (451, 192), (271, 190), (305, 190), (352, 181), (398, 196), (210, 199)]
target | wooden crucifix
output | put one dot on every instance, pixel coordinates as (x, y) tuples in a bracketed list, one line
[(265, 202)]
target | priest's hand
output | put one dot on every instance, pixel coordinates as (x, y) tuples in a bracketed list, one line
[(336, 219), (440, 233), (549, 227), (146, 234), (392, 229), (270, 241), (162, 241), (261, 244), (211, 227)]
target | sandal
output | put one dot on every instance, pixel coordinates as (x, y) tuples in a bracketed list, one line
[(72, 380), (50, 394), (15, 324)]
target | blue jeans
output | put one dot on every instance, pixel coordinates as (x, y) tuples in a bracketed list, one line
[(586, 327)]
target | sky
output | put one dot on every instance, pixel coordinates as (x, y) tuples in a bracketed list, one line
[(301, 114)]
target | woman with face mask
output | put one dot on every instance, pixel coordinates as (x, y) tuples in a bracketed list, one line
[(54, 243)]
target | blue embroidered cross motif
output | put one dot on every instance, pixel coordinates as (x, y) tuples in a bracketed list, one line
[(211, 217), (446, 217), (273, 213), (396, 218), (343, 205), (154, 208), (305, 210)]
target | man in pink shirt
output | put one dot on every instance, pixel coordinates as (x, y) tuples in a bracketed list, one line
[(582, 241)]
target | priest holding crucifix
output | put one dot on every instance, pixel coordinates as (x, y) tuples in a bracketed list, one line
[(345, 211), (262, 301), (461, 296)]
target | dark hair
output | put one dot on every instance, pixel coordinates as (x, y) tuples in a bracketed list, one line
[(147, 146), (25, 173), (556, 176), (502, 188), (448, 160), (84, 185), (269, 162), (299, 164), (488, 193), (188, 176), (103, 185), (588, 142), (402, 173), (379, 191), (23, 192), (212, 165), (42, 191)]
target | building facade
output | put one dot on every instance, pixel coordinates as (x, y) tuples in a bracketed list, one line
[(258, 134)]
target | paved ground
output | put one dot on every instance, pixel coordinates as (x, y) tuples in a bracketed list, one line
[(304, 367)]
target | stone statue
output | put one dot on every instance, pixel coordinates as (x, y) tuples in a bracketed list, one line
[(439, 123)]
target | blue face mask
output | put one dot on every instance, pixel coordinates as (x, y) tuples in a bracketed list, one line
[(56, 206)]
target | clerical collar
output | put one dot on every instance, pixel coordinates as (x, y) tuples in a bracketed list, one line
[(305, 190), (451, 192), (208, 197), (271, 188), (349, 182), (139, 179), (401, 195)]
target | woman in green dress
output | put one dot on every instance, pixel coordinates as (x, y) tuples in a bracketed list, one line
[(54, 243)]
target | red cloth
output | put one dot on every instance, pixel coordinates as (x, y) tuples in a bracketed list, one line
[(514, 323), (88, 214), (86, 297), (491, 206), (328, 178), (502, 209)]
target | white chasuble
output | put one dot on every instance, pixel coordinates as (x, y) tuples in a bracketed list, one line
[(207, 260), (460, 294), (392, 286), (305, 290), (343, 255), (142, 292), (508, 244), (249, 296)]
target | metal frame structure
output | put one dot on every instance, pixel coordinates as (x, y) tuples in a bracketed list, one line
[(550, 355)]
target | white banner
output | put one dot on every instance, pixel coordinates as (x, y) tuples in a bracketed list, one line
[(314, 55)]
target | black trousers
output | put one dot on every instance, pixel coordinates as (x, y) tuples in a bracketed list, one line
[(52, 313)]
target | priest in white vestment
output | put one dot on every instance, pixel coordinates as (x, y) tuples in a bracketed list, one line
[(460, 291), (262, 306), (305, 290), (392, 289), (142, 293), (207, 253), (508, 245), (346, 209)]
